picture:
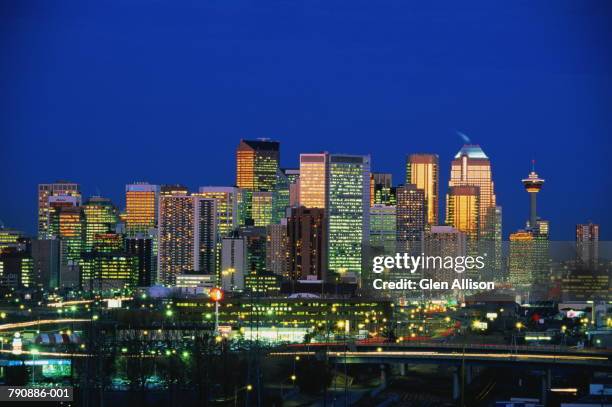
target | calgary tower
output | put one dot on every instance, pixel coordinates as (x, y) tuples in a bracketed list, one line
[(533, 184)]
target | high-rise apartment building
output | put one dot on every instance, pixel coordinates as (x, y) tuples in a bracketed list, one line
[(187, 234), (422, 170), (45, 191)]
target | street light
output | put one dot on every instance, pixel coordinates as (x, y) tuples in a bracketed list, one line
[(216, 294)]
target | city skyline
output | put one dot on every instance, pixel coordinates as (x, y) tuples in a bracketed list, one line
[(121, 204)]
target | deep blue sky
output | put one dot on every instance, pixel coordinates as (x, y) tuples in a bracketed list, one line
[(105, 93)]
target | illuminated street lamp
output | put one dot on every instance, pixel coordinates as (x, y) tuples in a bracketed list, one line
[(216, 294)]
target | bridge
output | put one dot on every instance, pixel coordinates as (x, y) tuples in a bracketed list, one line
[(463, 358), (471, 356)]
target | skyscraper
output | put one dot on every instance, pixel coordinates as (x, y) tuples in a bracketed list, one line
[(141, 211), (256, 164), (187, 234), (521, 263), (462, 210), (227, 207), (293, 175), (262, 208), (45, 191), (233, 262), (307, 245), (587, 245), (443, 241), (383, 227), (67, 223), (348, 209), (411, 218), (382, 190), (471, 167), (313, 180), (101, 216), (422, 170), (141, 247), (228, 213)]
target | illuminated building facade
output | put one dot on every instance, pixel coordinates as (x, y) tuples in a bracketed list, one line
[(263, 284), (262, 208), (176, 251), (45, 191), (383, 227), (67, 223), (313, 180), (307, 234), (281, 197), (472, 168), (11, 239), (187, 235), (141, 211), (348, 212), (108, 242), (17, 270), (381, 189), (411, 218), (108, 271), (521, 262), (257, 162), (422, 170), (101, 216), (277, 249), (462, 210), (309, 313)]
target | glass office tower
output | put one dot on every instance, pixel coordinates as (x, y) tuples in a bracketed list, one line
[(348, 204), (422, 170)]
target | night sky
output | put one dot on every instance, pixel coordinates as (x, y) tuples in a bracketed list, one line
[(106, 93)]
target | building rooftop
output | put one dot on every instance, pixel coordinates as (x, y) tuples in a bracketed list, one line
[(471, 151)]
